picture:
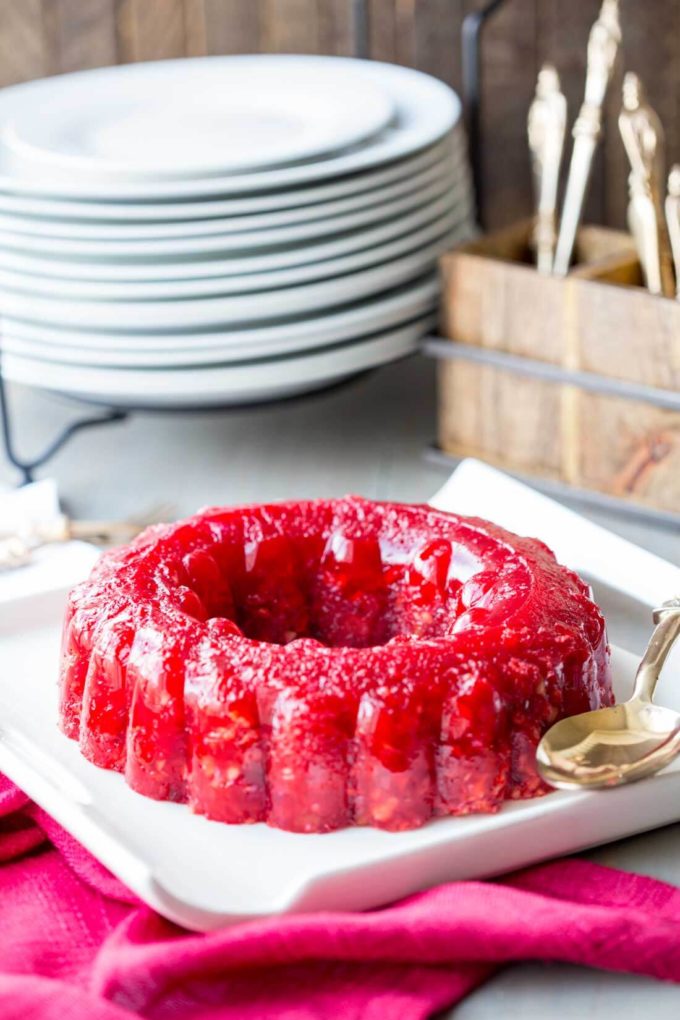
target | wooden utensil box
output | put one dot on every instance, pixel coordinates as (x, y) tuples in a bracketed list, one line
[(573, 380)]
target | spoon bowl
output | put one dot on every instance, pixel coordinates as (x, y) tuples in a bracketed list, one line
[(610, 746), (624, 743)]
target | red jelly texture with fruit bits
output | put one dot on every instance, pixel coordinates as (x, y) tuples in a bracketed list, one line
[(329, 663)]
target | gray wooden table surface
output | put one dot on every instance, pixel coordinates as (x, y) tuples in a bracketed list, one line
[(366, 439)]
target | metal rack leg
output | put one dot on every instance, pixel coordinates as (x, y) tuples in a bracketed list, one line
[(472, 32), (360, 28), (28, 467), (471, 37)]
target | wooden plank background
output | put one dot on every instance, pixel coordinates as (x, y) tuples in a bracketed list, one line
[(43, 37)]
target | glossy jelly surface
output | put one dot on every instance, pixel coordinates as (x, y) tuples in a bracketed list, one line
[(329, 663)]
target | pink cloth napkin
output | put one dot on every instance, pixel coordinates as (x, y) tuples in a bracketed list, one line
[(77, 945)]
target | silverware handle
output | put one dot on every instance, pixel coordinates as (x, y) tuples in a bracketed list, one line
[(664, 636)]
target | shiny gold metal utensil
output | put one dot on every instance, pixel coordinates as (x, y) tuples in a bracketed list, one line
[(603, 45), (673, 220), (612, 746), (546, 128), (643, 139)]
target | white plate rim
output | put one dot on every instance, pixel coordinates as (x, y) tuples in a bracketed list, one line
[(206, 313), (327, 254), (427, 109), (94, 88), (361, 320), (193, 386), (114, 230), (233, 242), (442, 210), (323, 269), (451, 147)]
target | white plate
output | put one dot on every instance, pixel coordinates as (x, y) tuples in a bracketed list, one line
[(322, 269), (425, 111), (452, 147), (143, 230), (209, 313), (189, 118), (205, 875), (453, 169), (221, 385), (233, 241), (436, 214), (111, 349), (153, 846)]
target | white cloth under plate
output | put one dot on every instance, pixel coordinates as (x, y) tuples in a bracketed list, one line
[(53, 568)]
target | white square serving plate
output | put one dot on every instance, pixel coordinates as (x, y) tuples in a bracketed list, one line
[(205, 875)]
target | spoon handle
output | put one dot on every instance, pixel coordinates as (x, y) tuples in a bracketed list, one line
[(664, 636)]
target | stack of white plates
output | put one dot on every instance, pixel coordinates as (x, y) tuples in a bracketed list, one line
[(223, 230)]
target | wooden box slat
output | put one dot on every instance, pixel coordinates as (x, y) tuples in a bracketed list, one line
[(599, 319)]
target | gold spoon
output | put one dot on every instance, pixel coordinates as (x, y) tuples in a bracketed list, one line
[(613, 746)]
